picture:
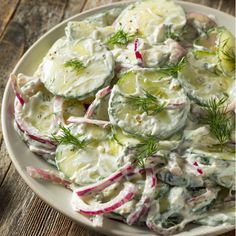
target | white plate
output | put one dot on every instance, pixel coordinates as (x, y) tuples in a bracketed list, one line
[(56, 196)]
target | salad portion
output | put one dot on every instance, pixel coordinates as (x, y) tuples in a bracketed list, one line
[(135, 110)]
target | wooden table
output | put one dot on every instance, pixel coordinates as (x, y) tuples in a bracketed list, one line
[(22, 22)]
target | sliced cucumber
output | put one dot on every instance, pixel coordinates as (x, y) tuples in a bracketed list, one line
[(226, 52), (219, 47), (225, 156), (72, 107), (78, 30), (201, 84), (97, 160), (37, 114), (125, 139), (208, 41), (134, 120), (95, 71), (150, 18)]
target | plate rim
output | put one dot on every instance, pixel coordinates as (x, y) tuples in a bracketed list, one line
[(15, 161)]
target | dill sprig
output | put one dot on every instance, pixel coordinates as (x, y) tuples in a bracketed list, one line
[(173, 69), (121, 38), (218, 118), (147, 103), (144, 150), (75, 64), (68, 138)]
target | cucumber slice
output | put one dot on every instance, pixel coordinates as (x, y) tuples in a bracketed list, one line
[(201, 84), (97, 160), (208, 41), (37, 114), (226, 155), (78, 30), (125, 139), (226, 52), (71, 81), (150, 18), (132, 119), (219, 47), (72, 107)]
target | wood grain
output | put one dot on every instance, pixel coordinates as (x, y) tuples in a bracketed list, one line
[(22, 22), (7, 8)]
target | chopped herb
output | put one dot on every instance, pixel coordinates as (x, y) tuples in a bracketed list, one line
[(218, 118), (68, 138), (144, 150), (75, 64), (121, 38), (173, 69), (148, 103)]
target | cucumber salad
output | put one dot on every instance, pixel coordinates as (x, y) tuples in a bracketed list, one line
[(135, 110)]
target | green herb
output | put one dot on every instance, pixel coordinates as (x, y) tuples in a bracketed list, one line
[(121, 38), (218, 118), (75, 64), (68, 138), (144, 150), (172, 70), (148, 103)]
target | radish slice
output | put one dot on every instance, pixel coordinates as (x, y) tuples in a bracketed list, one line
[(138, 54), (49, 175), (16, 90), (97, 187), (44, 140), (100, 94), (127, 194), (143, 205), (79, 120)]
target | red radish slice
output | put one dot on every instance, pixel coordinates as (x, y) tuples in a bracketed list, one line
[(97, 187), (143, 205), (48, 175), (100, 94), (138, 54), (16, 90), (127, 194), (40, 139), (80, 120)]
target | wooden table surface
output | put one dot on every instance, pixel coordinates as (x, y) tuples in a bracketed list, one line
[(22, 22)]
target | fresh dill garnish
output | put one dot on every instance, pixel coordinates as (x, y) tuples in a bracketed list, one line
[(147, 103), (144, 150), (218, 118), (75, 64), (67, 137), (121, 38), (173, 69), (229, 53)]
